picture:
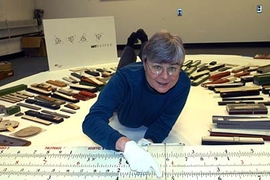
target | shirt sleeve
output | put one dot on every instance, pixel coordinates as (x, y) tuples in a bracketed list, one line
[(95, 124), (161, 128)]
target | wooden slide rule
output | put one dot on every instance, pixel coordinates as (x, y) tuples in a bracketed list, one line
[(245, 162)]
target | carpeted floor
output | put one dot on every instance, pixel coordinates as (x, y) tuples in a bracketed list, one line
[(26, 66)]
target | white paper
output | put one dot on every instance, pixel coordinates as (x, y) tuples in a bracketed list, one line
[(78, 42)]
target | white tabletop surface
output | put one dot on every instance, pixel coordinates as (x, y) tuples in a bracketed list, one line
[(193, 123)]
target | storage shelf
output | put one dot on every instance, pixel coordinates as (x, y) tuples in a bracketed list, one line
[(18, 24)]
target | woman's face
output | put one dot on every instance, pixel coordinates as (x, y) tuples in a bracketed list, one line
[(162, 77)]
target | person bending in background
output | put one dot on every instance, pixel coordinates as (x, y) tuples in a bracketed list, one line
[(150, 93)]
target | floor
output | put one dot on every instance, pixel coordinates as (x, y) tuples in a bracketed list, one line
[(26, 66)]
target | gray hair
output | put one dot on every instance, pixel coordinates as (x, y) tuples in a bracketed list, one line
[(164, 47)]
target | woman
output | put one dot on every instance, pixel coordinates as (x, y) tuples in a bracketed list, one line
[(151, 93)]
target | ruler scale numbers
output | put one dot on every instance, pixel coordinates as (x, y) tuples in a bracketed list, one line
[(177, 163)]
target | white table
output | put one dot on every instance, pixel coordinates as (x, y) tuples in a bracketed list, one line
[(193, 123)]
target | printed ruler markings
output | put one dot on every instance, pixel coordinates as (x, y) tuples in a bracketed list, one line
[(192, 162)]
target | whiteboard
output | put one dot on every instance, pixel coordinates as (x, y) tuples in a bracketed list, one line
[(78, 42)]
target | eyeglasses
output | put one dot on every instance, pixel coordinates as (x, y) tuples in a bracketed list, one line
[(158, 69)]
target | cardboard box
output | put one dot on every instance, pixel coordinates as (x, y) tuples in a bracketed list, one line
[(6, 70), (34, 46)]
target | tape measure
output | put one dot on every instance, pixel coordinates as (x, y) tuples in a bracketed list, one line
[(177, 162)]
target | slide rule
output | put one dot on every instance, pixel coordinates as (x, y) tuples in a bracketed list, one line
[(245, 162)]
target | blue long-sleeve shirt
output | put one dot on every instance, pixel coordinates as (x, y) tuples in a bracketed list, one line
[(136, 104)]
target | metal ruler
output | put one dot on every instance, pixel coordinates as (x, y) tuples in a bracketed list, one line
[(177, 162)]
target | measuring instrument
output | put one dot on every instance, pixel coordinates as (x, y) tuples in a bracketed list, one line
[(177, 162)]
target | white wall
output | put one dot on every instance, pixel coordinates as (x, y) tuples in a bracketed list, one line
[(16, 9), (12, 10), (203, 21)]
